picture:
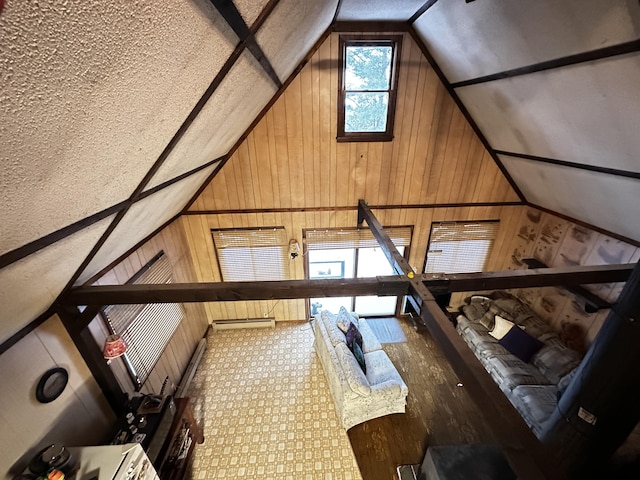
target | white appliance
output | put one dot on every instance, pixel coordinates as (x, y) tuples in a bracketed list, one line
[(113, 462)]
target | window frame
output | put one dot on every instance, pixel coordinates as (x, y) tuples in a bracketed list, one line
[(282, 245), (495, 222), (394, 41)]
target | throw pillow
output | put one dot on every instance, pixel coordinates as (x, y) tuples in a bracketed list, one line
[(343, 320), (520, 343), (353, 335), (357, 352), (501, 327), (488, 320)]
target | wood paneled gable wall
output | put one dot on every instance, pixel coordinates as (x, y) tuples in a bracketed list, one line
[(291, 158), (291, 171)]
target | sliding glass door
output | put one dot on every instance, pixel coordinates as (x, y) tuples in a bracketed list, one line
[(352, 263)]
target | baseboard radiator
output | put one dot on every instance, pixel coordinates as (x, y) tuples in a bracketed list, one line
[(191, 369), (244, 323)]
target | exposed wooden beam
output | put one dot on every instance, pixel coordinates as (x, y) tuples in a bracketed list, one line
[(232, 16), (563, 163), (590, 56), (75, 323), (527, 278), (233, 291), (528, 458), (386, 285), (594, 302)]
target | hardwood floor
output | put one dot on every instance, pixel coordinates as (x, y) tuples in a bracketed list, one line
[(438, 411)]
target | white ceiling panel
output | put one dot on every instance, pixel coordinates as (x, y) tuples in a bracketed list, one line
[(291, 30), (587, 113), (607, 201), (372, 10), (236, 102), (29, 286), (143, 218), (470, 40), (250, 9), (91, 94)]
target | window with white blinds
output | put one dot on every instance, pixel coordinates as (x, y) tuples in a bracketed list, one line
[(252, 254), (460, 247), (147, 328), (354, 238)]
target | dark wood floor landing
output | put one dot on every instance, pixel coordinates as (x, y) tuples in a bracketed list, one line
[(438, 411)]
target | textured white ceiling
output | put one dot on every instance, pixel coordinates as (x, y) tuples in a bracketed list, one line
[(28, 287), (91, 94), (143, 218), (587, 113), (359, 10), (608, 201), (469, 40), (250, 9), (291, 30), (236, 102)]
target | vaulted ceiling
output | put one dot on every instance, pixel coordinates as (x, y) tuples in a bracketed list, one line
[(116, 115)]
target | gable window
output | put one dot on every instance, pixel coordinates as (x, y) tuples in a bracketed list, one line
[(460, 247), (367, 84), (252, 254)]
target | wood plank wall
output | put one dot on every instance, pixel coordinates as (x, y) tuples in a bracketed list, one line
[(176, 356), (290, 171)]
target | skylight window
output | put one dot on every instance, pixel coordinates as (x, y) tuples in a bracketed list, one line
[(367, 84)]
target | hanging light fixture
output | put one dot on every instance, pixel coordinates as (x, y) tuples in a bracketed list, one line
[(114, 347)]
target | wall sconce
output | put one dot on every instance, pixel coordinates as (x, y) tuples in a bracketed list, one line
[(294, 248), (114, 347)]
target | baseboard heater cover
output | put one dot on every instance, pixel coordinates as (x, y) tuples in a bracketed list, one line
[(191, 369), (244, 323)]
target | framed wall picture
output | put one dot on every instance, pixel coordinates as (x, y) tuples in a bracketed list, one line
[(334, 269)]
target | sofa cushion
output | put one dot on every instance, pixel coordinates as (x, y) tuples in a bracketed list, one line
[(520, 343), (329, 320), (500, 328), (555, 362), (344, 319), (477, 337), (353, 373), (380, 370), (508, 371), (535, 403)]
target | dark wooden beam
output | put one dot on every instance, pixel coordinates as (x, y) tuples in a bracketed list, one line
[(528, 458), (590, 56), (385, 285), (594, 303), (527, 278), (563, 163), (421, 10), (232, 16), (233, 291), (76, 325)]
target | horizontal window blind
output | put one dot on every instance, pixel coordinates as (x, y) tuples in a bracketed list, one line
[(252, 255), (460, 247), (354, 238), (146, 328)]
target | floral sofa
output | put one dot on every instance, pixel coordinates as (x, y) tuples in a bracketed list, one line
[(532, 386), (358, 396)]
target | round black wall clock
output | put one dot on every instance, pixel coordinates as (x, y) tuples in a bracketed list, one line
[(51, 384)]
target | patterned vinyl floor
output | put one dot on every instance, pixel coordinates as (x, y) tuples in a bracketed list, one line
[(266, 410)]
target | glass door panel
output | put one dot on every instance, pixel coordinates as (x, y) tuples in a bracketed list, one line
[(334, 263), (372, 262)]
